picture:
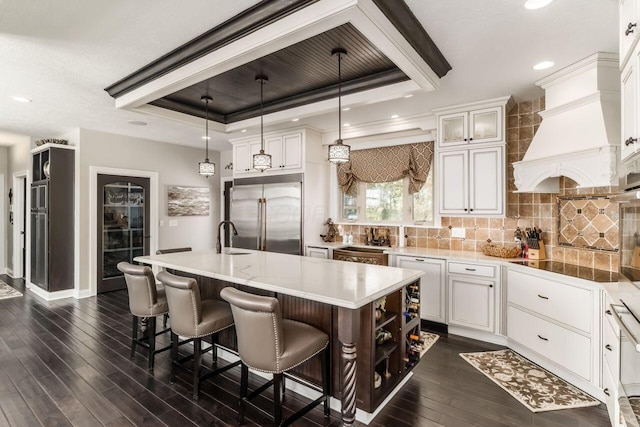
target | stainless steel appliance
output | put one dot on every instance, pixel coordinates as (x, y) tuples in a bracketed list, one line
[(267, 212)]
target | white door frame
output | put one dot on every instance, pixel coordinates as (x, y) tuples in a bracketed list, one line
[(94, 171), (19, 185)]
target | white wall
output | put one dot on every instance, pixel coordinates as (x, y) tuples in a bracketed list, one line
[(175, 165)]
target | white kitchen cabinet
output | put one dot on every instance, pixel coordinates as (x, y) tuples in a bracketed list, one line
[(317, 252), (472, 182), (628, 29), (243, 156), (286, 152), (432, 286), (470, 127), (472, 295), (629, 113)]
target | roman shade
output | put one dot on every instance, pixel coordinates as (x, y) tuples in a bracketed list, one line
[(387, 164)]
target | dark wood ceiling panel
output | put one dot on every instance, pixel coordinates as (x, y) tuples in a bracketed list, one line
[(298, 74)]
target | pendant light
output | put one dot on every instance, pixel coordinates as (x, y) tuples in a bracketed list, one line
[(206, 168), (262, 161), (339, 152)]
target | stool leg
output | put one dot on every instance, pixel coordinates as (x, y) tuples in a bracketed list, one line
[(134, 335), (283, 386), (277, 403), (197, 353), (214, 348), (152, 341), (325, 379), (164, 321), (244, 385), (174, 356)]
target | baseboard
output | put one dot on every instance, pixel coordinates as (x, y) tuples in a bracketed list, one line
[(478, 335), (79, 294), (311, 394), (9, 272), (49, 296)]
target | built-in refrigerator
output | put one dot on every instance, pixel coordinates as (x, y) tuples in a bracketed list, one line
[(267, 212)]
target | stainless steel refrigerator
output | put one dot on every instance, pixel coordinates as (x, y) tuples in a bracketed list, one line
[(267, 212)]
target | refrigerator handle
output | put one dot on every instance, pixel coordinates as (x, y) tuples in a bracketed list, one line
[(264, 224), (259, 226)]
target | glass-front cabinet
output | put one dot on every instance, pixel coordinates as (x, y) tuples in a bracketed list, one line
[(470, 127)]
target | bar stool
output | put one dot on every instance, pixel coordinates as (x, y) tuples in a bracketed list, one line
[(145, 301), (169, 251), (195, 319), (269, 343)]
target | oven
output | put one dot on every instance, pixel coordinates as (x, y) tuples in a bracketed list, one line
[(625, 308)]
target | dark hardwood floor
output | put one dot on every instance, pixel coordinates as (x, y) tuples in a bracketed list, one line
[(67, 363)]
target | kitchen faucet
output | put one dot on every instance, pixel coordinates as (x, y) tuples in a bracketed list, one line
[(235, 233)]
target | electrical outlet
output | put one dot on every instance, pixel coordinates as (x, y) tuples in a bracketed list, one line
[(173, 223), (458, 232), (161, 223)]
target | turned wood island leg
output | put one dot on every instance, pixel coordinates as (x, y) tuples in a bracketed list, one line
[(348, 333)]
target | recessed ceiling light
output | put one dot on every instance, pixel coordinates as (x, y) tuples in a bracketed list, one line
[(346, 109), (536, 4), (137, 122), (206, 138), (409, 95), (21, 99), (295, 120), (346, 125), (243, 130), (543, 65), (395, 116)]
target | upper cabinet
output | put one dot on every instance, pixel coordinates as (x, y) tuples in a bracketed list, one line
[(471, 160), (629, 98), (471, 127), (287, 152), (628, 29)]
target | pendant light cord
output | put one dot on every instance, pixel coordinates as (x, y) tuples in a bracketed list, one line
[(206, 126), (261, 116), (340, 98)]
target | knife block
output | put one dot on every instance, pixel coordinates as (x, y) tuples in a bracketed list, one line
[(635, 258), (537, 253)]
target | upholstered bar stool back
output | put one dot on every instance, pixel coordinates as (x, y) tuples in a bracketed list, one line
[(269, 343), (193, 318), (145, 301)]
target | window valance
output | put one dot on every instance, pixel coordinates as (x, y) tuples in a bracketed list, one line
[(387, 164)]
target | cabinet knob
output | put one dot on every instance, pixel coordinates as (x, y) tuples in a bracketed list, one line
[(491, 286), (630, 141), (470, 139), (543, 338), (465, 209), (471, 210), (606, 391), (629, 29), (542, 296), (466, 139), (608, 347), (608, 312)]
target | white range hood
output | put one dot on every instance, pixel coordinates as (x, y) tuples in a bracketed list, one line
[(580, 131)]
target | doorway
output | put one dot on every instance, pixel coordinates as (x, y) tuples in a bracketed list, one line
[(228, 188), (123, 231), (18, 218)]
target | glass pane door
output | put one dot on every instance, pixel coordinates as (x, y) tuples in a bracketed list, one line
[(123, 233)]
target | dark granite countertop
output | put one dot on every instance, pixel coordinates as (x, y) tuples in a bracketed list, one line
[(600, 276)]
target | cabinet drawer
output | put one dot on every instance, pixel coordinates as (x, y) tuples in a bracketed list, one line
[(610, 389), (564, 303), (472, 269), (566, 348), (611, 349)]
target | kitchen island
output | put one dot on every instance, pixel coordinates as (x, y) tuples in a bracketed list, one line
[(335, 296)]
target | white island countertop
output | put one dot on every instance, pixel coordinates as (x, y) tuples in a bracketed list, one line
[(343, 284)]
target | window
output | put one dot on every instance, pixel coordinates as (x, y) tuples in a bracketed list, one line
[(390, 202)]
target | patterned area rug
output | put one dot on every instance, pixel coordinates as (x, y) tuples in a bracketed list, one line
[(635, 406), (533, 386), (7, 291), (428, 339)]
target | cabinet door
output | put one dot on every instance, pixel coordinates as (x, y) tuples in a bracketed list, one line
[(454, 182), (486, 181), (292, 151), (241, 158), (453, 129), (471, 303), (317, 252), (485, 125), (628, 29), (432, 286), (629, 109), (273, 146)]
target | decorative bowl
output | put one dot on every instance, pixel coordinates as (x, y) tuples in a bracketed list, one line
[(51, 141), (501, 251)]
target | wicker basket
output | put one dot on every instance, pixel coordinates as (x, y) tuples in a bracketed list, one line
[(501, 251)]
